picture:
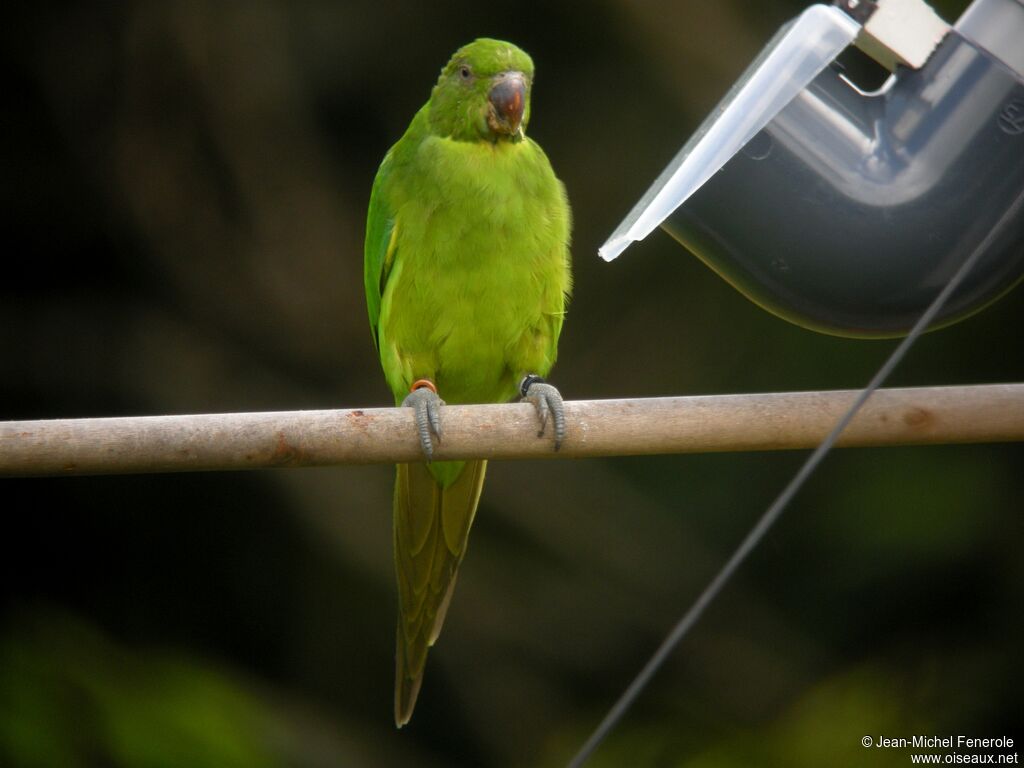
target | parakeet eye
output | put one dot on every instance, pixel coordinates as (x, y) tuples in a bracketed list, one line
[(465, 72)]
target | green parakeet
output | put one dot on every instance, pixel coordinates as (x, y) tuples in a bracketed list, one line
[(467, 275)]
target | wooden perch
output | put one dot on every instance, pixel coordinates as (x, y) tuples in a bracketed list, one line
[(759, 422)]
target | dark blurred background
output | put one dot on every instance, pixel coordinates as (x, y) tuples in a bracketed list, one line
[(185, 185)]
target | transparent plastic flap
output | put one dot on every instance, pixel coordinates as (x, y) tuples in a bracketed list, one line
[(793, 58)]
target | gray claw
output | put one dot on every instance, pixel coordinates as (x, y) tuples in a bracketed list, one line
[(426, 407), (548, 402)]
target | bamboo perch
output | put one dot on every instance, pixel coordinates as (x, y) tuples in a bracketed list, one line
[(759, 422)]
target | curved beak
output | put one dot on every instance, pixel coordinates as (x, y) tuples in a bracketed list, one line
[(508, 103)]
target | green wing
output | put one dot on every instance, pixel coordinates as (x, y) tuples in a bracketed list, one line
[(379, 249)]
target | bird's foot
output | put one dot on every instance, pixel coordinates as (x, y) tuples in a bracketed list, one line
[(548, 402), (426, 405)]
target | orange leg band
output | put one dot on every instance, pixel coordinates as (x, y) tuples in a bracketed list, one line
[(423, 384)]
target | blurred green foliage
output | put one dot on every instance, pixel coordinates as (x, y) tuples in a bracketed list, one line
[(184, 192), (69, 697)]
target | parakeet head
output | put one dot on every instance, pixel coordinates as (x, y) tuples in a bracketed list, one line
[(483, 93)]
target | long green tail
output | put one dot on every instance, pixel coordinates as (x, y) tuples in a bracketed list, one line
[(431, 528)]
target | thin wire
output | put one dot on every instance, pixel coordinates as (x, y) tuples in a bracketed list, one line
[(773, 512)]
